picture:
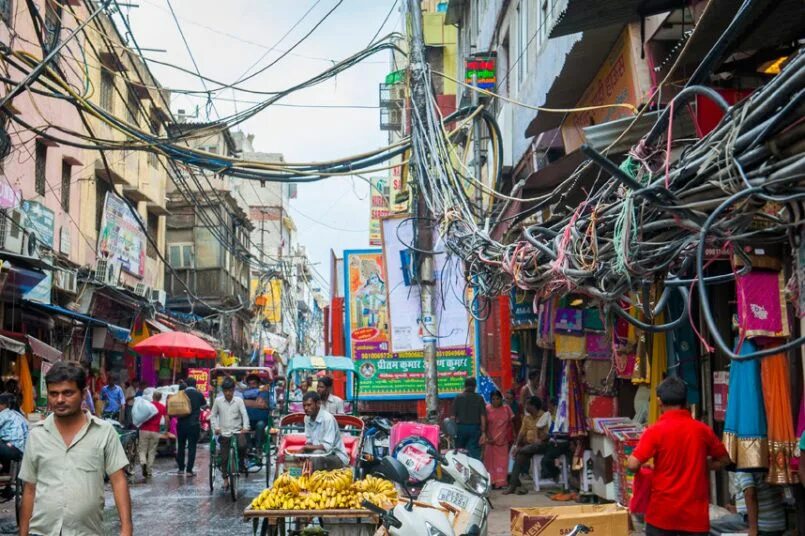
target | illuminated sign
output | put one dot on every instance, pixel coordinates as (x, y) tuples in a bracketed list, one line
[(484, 70)]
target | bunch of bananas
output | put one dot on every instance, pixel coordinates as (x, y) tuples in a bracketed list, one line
[(380, 486), (339, 480), (325, 490)]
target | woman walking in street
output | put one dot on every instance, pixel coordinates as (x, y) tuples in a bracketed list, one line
[(500, 432)]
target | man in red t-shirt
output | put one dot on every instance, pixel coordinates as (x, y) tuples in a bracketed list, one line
[(149, 436), (683, 450)]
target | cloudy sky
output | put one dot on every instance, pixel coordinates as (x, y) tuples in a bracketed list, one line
[(228, 38)]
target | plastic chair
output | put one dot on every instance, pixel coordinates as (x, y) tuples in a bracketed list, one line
[(536, 463)]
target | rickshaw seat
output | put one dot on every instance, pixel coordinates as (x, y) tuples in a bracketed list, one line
[(289, 441)]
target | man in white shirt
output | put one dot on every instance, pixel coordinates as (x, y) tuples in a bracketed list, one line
[(322, 435), (229, 418), (333, 404)]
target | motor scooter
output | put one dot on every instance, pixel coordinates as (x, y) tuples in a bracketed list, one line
[(375, 444), (464, 485), (412, 519)]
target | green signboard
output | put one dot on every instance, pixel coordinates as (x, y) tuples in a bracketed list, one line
[(403, 375)]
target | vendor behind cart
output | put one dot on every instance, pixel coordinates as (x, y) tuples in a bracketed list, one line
[(322, 435)]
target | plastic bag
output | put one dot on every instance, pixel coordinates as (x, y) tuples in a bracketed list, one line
[(141, 411)]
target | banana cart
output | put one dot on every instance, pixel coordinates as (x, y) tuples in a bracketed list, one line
[(292, 522), (291, 438)]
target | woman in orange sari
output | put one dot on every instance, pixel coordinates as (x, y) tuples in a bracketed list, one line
[(499, 436)]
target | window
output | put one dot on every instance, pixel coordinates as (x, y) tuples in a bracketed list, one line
[(40, 166), (522, 41), (66, 176), (52, 29), (132, 105), (153, 232), (107, 90), (6, 11), (544, 21), (101, 189), (181, 256)]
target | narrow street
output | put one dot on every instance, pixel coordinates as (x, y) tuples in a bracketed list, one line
[(169, 505)]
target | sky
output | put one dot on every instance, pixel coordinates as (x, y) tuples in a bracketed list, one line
[(227, 38)]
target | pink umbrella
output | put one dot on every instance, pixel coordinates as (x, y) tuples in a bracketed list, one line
[(176, 344)]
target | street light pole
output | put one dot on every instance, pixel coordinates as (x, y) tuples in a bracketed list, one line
[(424, 243)]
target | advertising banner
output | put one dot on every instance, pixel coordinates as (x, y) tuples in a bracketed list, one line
[(9, 197), (122, 238), (202, 376), (405, 329), (40, 221), (387, 375), (379, 208)]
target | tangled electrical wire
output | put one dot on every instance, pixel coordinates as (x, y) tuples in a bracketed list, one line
[(651, 220)]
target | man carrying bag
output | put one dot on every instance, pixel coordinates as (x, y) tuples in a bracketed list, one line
[(186, 406)]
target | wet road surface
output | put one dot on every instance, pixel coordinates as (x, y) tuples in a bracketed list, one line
[(171, 505)]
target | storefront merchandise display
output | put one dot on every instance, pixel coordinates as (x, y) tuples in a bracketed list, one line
[(781, 439), (745, 429)]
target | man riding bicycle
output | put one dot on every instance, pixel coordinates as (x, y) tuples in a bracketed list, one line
[(228, 419), (258, 407)]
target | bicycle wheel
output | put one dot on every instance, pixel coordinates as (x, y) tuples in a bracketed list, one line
[(212, 465), (17, 499), (233, 470), (268, 461)]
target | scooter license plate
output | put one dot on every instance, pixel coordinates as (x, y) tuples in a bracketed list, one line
[(454, 498)]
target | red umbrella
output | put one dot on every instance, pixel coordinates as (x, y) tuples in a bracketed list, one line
[(176, 344)]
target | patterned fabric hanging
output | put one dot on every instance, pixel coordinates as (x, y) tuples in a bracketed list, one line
[(781, 435), (745, 428)]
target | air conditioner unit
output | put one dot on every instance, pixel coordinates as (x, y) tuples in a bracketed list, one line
[(30, 245), (66, 280), (107, 272), (397, 93), (143, 290), (11, 235), (159, 296)]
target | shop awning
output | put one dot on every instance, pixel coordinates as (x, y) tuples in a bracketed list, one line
[(118, 333), (582, 15), (155, 326), (44, 350), (209, 338), (7, 343)]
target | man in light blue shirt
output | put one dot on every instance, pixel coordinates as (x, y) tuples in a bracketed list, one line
[(114, 400), (13, 434), (322, 435)]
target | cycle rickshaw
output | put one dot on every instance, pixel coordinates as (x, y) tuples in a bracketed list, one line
[(260, 455)]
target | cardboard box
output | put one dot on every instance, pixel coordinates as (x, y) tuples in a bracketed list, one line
[(603, 520)]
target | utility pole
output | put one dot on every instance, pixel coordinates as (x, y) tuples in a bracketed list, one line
[(420, 85), (476, 146)]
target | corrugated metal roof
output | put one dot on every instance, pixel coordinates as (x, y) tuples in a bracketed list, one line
[(600, 136), (549, 177), (580, 67), (583, 15)]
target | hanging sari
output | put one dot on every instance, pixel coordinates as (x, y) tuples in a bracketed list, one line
[(777, 399), (745, 430), (500, 431), (570, 418), (657, 369)]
